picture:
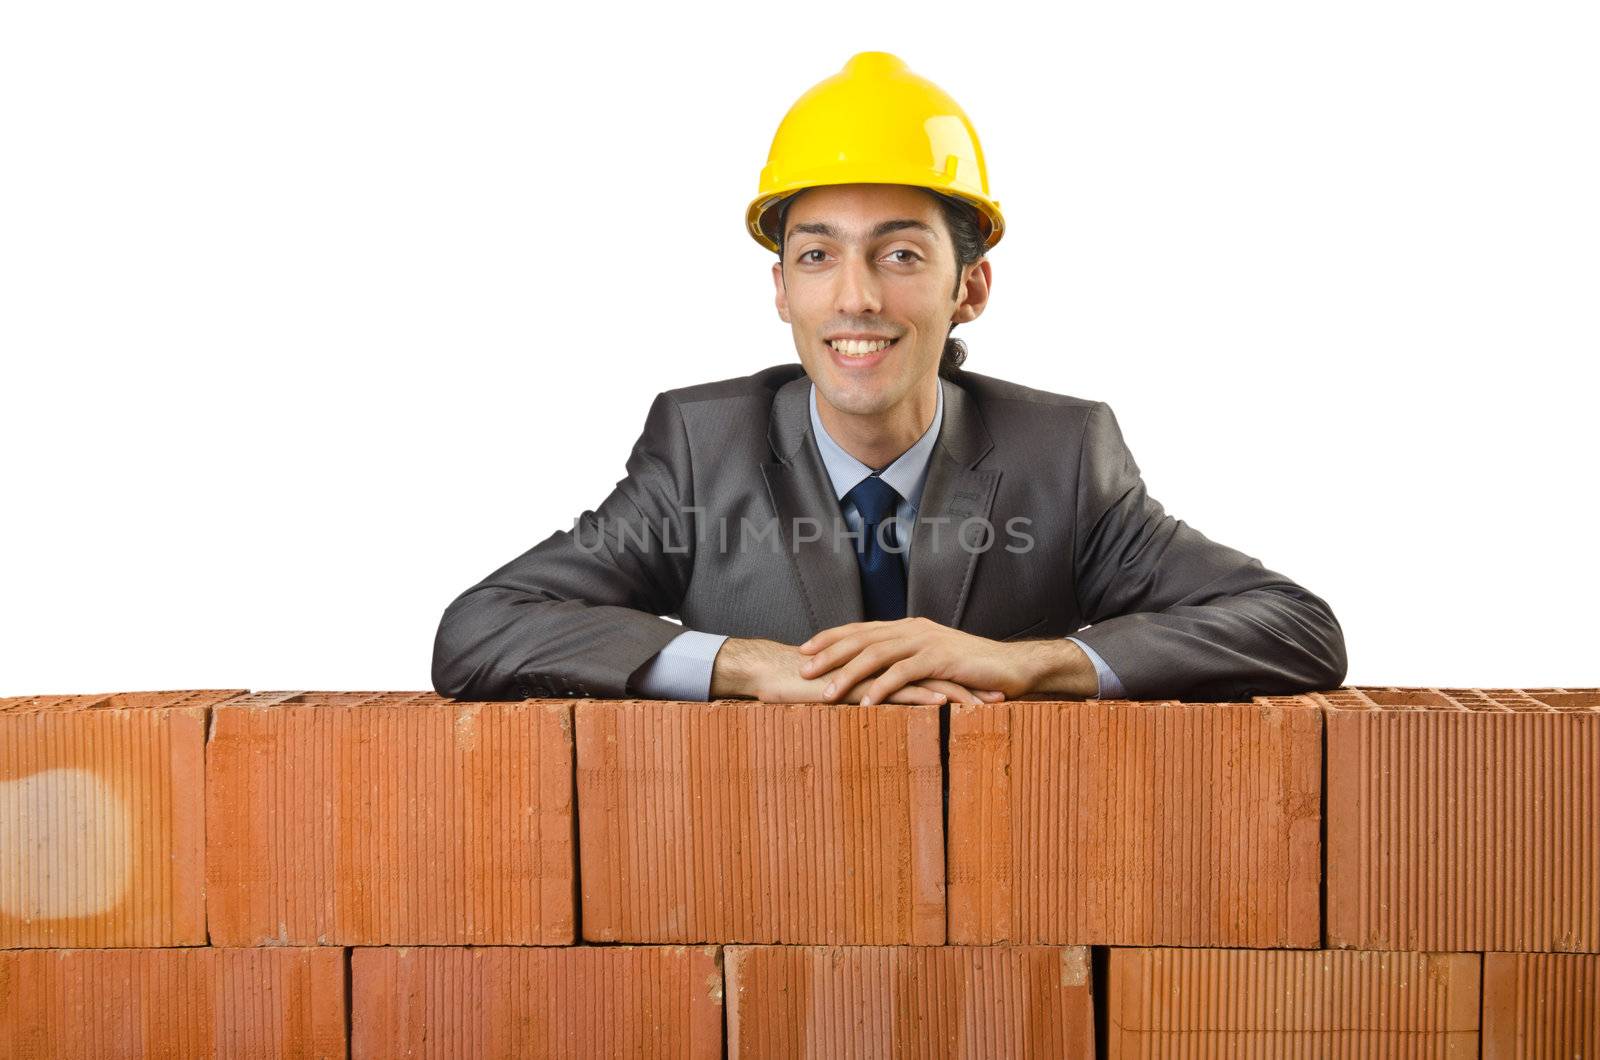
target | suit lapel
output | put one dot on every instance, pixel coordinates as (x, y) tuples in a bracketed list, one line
[(802, 496), (941, 570)]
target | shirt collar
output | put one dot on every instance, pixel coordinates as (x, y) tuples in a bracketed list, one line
[(907, 474)]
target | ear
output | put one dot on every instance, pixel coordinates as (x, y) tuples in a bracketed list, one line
[(974, 292), (782, 296)]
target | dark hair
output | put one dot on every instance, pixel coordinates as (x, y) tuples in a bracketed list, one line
[(961, 218)]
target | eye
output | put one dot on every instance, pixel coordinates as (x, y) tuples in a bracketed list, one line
[(903, 250), (806, 255)]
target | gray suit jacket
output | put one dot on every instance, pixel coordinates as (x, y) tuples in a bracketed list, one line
[(726, 521)]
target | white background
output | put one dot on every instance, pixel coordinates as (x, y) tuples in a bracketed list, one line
[(313, 314)]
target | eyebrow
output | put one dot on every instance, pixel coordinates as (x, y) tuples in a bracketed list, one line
[(822, 228)]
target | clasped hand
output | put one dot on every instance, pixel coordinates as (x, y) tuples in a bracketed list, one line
[(911, 651)]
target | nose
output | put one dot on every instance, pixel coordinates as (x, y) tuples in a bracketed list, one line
[(858, 287)]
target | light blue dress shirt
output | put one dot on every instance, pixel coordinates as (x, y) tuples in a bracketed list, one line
[(682, 670)]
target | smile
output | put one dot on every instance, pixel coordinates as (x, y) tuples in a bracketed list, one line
[(852, 354)]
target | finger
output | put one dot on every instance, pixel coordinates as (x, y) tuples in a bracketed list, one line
[(896, 677), (958, 693), (825, 637), (838, 682), (913, 693), (830, 635), (842, 649), (866, 663), (917, 694), (832, 656), (991, 695)]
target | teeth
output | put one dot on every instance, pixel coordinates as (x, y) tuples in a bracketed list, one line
[(857, 348)]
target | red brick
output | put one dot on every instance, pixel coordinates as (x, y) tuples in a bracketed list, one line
[(870, 1001), (751, 822), (389, 819), (1135, 823), (172, 1002), (192, 697), (102, 828), (505, 1002), (1541, 1004), (1463, 819), (1291, 1002)]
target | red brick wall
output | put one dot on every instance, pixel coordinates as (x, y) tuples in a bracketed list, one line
[(218, 873)]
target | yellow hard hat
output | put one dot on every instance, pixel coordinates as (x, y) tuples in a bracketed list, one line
[(874, 122)]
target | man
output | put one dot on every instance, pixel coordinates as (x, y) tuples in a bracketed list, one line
[(876, 524)]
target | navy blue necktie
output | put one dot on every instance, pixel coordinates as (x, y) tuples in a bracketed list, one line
[(883, 576)]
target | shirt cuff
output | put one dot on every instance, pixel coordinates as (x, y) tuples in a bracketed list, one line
[(681, 670), (1110, 684)]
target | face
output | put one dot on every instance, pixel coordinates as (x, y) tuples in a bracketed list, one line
[(873, 261)]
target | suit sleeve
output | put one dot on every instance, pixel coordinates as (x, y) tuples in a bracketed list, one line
[(579, 612), (1177, 615)]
